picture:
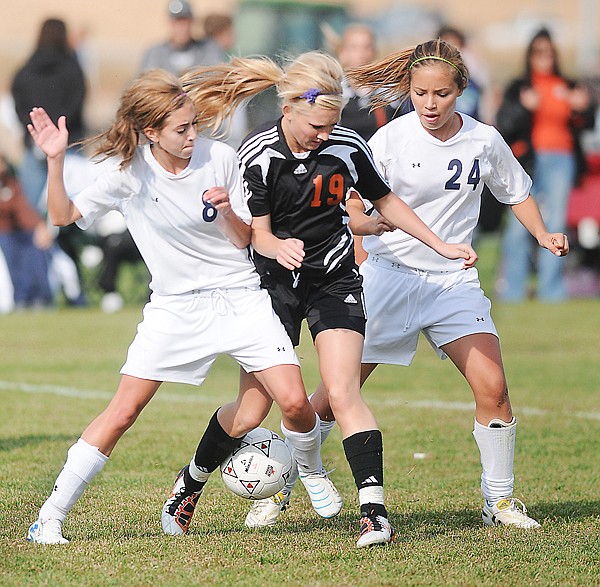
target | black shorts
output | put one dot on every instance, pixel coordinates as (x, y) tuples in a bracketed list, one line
[(327, 302)]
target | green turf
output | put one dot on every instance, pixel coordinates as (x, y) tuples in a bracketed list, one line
[(58, 369)]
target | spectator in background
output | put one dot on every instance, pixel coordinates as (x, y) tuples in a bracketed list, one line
[(220, 34), (24, 243), (357, 47), (181, 51), (540, 117), (470, 101), (51, 78)]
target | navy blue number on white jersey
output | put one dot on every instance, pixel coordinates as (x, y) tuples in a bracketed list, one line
[(209, 213), (456, 167)]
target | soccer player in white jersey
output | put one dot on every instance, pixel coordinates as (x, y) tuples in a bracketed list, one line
[(183, 202), (298, 170), (438, 161)]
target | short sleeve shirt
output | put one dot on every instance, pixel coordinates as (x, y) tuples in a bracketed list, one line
[(176, 233), (305, 197), (442, 182)]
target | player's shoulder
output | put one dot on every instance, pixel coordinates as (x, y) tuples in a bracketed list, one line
[(344, 134), (475, 129), (264, 136), (217, 152)]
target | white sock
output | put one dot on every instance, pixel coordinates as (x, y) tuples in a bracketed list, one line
[(198, 474), (305, 447), (84, 462), (372, 494), (326, 426), (497, 450)]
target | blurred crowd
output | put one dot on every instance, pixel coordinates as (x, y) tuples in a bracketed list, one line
[(542, 114)]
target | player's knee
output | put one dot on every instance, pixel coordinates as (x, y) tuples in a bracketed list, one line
[(124, 418), (298, 409), (341, 397)]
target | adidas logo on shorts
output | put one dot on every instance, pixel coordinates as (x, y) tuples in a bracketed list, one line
[(350, 299)]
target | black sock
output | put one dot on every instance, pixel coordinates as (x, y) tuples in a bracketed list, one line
[(214, 447), (364, 453)]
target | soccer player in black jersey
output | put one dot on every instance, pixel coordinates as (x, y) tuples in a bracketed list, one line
[(298, 171)]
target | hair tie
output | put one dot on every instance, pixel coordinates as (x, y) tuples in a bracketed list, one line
[(437, 59), (311, 95)]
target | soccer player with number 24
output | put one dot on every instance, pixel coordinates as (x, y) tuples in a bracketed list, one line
[(438, 161)]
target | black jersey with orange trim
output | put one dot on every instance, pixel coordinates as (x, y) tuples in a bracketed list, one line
[(306, 196)]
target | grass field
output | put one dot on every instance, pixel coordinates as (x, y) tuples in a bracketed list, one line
[(58, 369)]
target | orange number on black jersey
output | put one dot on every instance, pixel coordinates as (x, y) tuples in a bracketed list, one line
[(336, 190)]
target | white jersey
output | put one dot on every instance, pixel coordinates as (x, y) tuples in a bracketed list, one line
[(442, 182), (175, 232)]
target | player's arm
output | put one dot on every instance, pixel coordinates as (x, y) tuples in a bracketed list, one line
[(362, 224), (528, 214), (403, 217), (287, 252), (230, 224), (53, 141)]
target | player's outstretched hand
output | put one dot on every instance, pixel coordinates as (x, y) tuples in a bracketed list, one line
[(556, 242), (460, 251), (52, 140), (291, 253)]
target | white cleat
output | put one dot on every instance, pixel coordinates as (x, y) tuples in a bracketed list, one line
[(374, 530), (325, 498), (178, 510), (46, 532), (508, 512), (264, 512)]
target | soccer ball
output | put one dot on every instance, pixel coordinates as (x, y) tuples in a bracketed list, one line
[(260, 467)]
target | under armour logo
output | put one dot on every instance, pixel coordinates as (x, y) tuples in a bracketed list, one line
[(480, 319), (280, 349), (416, 165), (155, 199)]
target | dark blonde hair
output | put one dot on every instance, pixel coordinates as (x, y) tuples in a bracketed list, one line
[(390, 77), (147, 103), (312, 79)]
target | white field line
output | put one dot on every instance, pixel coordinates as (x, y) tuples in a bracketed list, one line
[(201, 397)]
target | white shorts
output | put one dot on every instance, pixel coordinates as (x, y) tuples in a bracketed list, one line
[(402, 302), (181, 336)]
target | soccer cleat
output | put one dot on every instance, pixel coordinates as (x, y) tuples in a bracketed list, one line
[(178, 510), (46, 532), (374, 529), (325, 498), (264, 512), (508, 512)]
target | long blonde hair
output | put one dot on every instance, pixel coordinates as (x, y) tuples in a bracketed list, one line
[(147, 103), (389, 78), (312, 79)]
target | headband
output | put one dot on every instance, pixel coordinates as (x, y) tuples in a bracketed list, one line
[(437, 59)]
